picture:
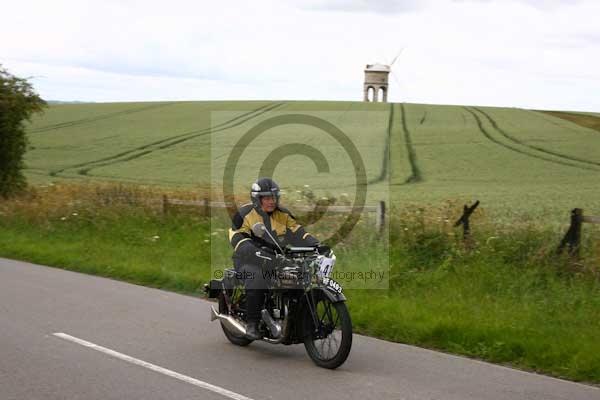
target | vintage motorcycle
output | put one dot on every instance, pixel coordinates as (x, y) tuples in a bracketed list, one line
[(302, 305)]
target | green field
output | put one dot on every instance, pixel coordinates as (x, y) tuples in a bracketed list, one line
[(513, 160)]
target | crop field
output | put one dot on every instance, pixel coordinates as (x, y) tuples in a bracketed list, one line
[(510, 159), (513, 160)]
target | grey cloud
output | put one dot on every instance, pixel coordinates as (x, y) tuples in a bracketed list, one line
[(539, 4), (590, 38), (374, 6), (571, 41)]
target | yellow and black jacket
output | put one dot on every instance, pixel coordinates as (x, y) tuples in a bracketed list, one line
[(281, 224)]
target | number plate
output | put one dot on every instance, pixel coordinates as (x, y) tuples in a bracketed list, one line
[(333, 285)]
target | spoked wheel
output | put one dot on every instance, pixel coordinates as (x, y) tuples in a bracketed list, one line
[(234, 337), (329, 343)]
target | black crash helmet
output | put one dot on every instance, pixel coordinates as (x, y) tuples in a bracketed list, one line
[(264, 187)]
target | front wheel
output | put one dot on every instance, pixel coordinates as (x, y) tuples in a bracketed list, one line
[(233, 337), (329, 343)]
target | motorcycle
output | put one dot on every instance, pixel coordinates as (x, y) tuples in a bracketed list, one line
[(302, 305)]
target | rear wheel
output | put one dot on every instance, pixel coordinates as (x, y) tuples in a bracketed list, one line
[(329, 343), (234, 337)]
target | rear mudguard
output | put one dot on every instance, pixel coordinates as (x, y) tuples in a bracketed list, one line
[(213, 288), (228, 282)]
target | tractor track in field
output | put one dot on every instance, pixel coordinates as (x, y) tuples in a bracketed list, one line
[(83, 121), (167, 142), (520, 151), (386, 151), (110, 178), (540, 149), (193, 135), (415, 175)]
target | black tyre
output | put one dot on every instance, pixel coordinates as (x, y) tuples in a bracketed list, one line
[(233, 337), (328, 344)]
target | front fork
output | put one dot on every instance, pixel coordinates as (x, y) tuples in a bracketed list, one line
[(332, 297), (310, 301)]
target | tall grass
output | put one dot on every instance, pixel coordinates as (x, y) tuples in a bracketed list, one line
[(505, 296), (109, 230)]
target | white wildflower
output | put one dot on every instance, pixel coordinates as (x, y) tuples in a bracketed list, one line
[(490, 239)]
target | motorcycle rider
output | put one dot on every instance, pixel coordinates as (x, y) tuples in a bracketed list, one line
[(283, 227)]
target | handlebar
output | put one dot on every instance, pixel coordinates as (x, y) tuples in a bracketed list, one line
[(270, 254)]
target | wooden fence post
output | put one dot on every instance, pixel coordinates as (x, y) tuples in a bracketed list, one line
[(205, 208), (380, 223), (464, 220), (165, 204), (573, 236)]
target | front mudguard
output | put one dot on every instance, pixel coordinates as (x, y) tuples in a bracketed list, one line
[(303, 322), (332, 295)]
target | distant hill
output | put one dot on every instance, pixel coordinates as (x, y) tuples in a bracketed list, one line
[(68, 102)]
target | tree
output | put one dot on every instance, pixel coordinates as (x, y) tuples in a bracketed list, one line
[(18, 102)]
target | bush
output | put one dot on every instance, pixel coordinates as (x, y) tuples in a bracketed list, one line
[(18, 102)]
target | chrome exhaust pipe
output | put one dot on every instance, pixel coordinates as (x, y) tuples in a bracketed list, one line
[(273, 326), (231, 323), (213, 314)]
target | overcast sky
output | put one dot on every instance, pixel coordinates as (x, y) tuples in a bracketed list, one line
[(521, 53)]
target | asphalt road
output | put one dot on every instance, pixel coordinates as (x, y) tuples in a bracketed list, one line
[(65, 335)]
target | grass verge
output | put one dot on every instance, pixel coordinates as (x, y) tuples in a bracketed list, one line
[(505, 298)]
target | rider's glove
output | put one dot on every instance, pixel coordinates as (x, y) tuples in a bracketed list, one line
[(251, 253), (324, 249)]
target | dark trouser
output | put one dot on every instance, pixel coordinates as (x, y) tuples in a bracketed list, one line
[(256, 286)]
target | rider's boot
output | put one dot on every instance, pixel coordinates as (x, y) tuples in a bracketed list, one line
[(254, 300)]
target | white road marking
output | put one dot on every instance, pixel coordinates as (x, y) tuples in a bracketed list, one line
[(164, 371)]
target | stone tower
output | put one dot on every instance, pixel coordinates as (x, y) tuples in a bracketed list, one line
[(376, 82)]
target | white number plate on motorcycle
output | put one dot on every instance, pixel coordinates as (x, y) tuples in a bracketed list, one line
[(331, 284), (326, 265)]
